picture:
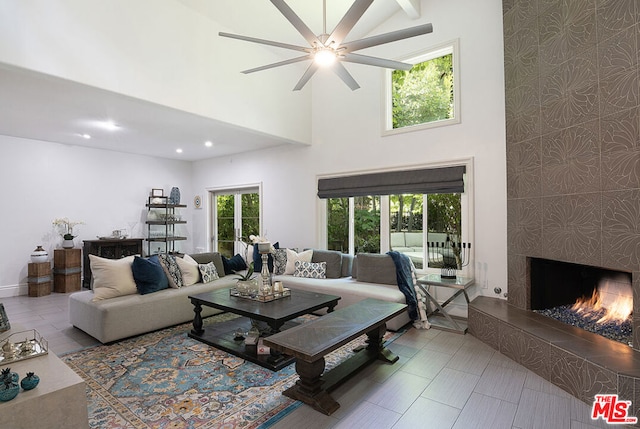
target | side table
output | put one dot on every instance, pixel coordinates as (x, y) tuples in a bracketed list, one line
[(58, 402), (67, 265), (442, 319)]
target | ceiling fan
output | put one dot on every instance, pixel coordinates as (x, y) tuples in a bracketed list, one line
[(330, 49)]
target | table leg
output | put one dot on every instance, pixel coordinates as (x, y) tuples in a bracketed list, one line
[(375, 344), (308, 388), (197, 319)]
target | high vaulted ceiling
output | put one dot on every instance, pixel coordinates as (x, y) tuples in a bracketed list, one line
[(42, 107)]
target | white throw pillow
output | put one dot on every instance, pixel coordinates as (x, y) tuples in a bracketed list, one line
[(292, 257), (112, 277), (189, 269)]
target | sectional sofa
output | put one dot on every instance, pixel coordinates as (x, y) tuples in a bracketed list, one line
[(118, 317)]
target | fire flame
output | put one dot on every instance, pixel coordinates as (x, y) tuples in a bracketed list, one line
[(615, 298)]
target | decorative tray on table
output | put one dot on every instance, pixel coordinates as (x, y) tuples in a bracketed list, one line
[(262, 297), (22, 345)]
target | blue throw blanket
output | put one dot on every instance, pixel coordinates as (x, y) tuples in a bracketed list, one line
[(405, 282)]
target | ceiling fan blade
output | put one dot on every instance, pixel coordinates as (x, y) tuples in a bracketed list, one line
[(296, 22), (381, 39), (347, 22), (278, 64), (313, 67), (378, 62), (264, 42), (346, 77)]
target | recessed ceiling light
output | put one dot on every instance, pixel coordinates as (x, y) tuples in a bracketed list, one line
[(85, 136), (179, 150), (208, 143)]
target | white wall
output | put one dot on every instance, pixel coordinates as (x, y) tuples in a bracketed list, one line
[(107, 190), (156, 50), (346, 137)]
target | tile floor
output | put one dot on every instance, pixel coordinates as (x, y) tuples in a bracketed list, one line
[(442, 380)]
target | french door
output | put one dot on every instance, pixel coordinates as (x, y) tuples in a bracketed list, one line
[(235, 216)]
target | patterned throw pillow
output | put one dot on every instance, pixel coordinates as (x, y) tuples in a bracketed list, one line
[(280, 261), (312, 270), (209, 272), (171, 269)]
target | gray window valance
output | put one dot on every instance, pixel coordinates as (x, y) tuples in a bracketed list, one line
[(426, 181)]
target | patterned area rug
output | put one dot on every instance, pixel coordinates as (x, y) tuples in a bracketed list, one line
[(167, 380)]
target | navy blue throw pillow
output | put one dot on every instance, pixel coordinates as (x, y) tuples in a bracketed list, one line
[(149, 275), (233, 264), (257, 258)]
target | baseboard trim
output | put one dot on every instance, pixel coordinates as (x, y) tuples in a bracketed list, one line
[(14, 290)]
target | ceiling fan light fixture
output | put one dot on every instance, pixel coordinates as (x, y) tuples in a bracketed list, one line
[(325, 57)]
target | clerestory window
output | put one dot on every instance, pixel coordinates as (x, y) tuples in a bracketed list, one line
[(427, 95)]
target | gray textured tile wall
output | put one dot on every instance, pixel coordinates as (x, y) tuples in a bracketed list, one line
[(573, 137)]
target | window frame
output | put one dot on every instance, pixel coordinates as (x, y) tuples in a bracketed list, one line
[(453, 47), (467, 209)]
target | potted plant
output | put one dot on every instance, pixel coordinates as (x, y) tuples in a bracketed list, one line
[(65, 227), (247, 285)]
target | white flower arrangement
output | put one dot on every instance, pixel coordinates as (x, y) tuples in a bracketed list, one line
[(65, 227)]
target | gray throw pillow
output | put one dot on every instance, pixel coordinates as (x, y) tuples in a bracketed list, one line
[(376, 268), (347, 264), (333, 260), (205, 258)]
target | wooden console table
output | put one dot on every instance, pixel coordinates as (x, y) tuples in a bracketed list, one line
[(115, 248), (450, 323), (309, 343)]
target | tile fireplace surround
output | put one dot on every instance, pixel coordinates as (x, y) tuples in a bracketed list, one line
[(572, 95)]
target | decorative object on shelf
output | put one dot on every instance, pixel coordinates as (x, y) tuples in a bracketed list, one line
[(157, 192), (39, 255), (30, 381), (197, 201), (174, 196), (65, 228), (8, 390), (4, 319), (451, 256), (14, 349)]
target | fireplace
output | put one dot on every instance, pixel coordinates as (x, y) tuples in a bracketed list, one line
[(596, 299)]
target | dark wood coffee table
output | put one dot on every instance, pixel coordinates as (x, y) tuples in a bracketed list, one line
[(276, 314), (312, 341)]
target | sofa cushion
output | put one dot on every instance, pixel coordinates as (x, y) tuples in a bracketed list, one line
[(189, 270), (396, 239), (313, 270), (171, 269), (205, 258), (233, 264), (347, 265), (413, 239), (148, 275), (376, 268), (112, 277), (333, 260), (209, 272), (280, 261), (292, 257)]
